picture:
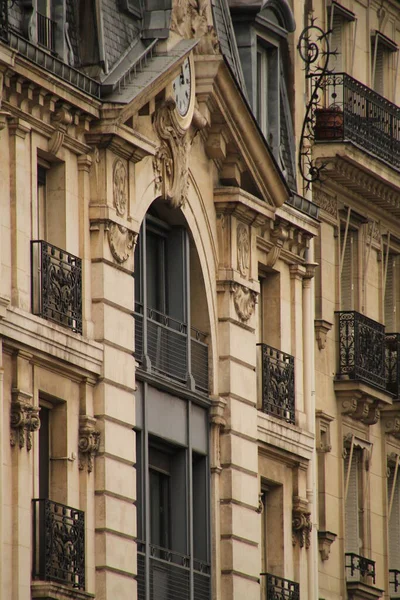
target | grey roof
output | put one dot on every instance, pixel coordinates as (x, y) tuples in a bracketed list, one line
[(150, 72), (226, 37)]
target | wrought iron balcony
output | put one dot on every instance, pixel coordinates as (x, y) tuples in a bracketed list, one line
[(392, 364), (56, 285), (394, 584), (167, 348), (170, 575), (361, 349), (277, 377), (278, 588), (45, 31), (359, 567), (58, 543), (350, 111)]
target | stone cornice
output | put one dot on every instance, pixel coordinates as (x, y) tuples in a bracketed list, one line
[(296, 444)]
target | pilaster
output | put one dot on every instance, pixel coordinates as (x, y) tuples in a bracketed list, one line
[(20, 201), (114, 404), (297, 274), (84, 165)]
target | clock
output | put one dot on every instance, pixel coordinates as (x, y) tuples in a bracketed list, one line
[(182, 88)]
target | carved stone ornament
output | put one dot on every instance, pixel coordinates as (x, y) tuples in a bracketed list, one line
[(120, 187), (61, 119), (171, 161), (24, 419), (243, 249), (322, 329), (121, 241), (325, 202), (244, 301), (360, 408), (189, 19), (325, 540), (89, 442), (301, 523)]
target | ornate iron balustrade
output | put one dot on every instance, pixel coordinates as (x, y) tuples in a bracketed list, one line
[(394, 583), (167, 347), (45, 31), (361, 349), (278, 395), (392, 364), (56, 285), (170, 575), (59, 543), (278, 588), (358, 566), (350, 111)]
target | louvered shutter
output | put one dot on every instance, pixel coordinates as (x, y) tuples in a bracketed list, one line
[(379, 69), (394, 524), (352, 542), (390, 296), (348, 280), (336, 43)]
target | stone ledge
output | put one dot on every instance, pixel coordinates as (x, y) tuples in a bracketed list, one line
[(47, 590), (357, 590), (53, 341), (285, 436)]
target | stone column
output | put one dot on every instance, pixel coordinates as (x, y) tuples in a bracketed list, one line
[(24, 421), (84, 164), (20, 200), (114, 404), (237, 293)]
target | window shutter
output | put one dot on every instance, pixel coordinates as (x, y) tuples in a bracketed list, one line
[(336, 42), (390, 296), (348, 280), (394, 524), (352, 543), (379, 69)]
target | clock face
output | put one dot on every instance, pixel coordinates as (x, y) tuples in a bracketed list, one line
[(182, 87)]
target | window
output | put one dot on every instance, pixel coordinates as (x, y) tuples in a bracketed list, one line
[(384, 62), (342, 23), (45, 26), (165, 339), (393, 491), (353, 504), (176, 536)]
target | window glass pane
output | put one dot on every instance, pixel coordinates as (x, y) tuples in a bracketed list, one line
[(199, 467), (159, 508), (155, 272)]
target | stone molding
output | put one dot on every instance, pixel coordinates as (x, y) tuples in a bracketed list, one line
[(322, 328), (325, 541), (24, 419), (243, 249), (218, 422), (301, 523), (89, 442), (361, 401), (323, 433)]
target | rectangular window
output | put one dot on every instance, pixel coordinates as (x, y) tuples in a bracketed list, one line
[(41, 204), (353, 507)]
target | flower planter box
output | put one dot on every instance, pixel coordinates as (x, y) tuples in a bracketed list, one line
[(328, 124)]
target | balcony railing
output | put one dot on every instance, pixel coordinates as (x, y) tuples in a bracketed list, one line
[(56, 285), (59, 543), (351, 111), (394, 584), (167, 348), (278, 588), (45, 31), (277, 381), (170, 575), (361, 349), (358, 567), (392, 364)]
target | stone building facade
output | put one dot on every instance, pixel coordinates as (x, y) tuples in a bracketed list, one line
[(193, 389)]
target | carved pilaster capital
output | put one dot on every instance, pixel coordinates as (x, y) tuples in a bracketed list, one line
[(89, 442), (217, 411), (84, 162), (301, 523), (24, 419)]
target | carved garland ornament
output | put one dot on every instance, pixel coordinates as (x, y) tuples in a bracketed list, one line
[(120, 187), (189, 19), (243, 250), (244, 301), (89, 442), (24, 419), (171, 161)]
